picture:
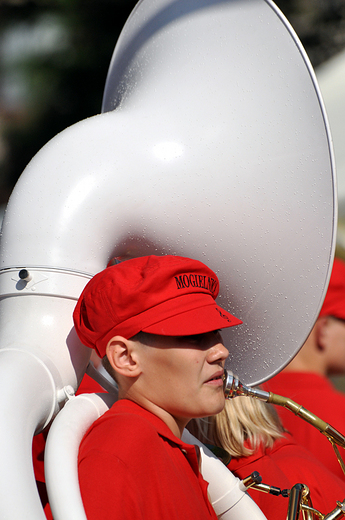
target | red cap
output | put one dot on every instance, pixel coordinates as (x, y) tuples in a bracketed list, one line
[(166, 295), (334, 303)]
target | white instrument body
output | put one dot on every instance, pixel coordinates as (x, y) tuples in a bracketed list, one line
[(214, 144)]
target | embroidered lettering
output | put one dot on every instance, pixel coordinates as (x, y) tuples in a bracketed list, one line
[(184, 281), (179, 282)]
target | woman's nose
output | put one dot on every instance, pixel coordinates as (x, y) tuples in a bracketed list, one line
[(218, 352)]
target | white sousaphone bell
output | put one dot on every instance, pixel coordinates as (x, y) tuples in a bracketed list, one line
[(213, 143)]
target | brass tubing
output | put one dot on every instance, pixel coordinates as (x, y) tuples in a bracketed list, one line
[(233, 388), (311, 512), (295, 502), (338, 512), (308, 416)]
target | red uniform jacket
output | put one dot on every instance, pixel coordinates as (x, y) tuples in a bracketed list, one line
[(316, 394), (283, 466), (132, 467)]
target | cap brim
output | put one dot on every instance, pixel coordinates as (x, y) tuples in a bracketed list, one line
[(196, 321)]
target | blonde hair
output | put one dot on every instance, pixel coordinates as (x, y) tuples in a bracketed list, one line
[(243, 425)]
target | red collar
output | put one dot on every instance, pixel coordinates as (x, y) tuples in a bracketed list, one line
[(127, 406)]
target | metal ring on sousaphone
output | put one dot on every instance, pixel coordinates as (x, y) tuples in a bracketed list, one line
[(237, 163)]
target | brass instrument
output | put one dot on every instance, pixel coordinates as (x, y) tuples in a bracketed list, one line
[(300, 505)]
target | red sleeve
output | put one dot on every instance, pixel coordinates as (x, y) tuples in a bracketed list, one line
[(89, 386), (38, 444)]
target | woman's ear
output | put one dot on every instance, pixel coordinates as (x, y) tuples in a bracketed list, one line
[(122, 356), (321, 328)]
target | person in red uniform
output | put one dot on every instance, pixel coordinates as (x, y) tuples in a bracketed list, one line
[(155, 323), (305, 379), (251, 432)]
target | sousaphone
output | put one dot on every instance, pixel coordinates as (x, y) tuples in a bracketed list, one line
[(213, 143)]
